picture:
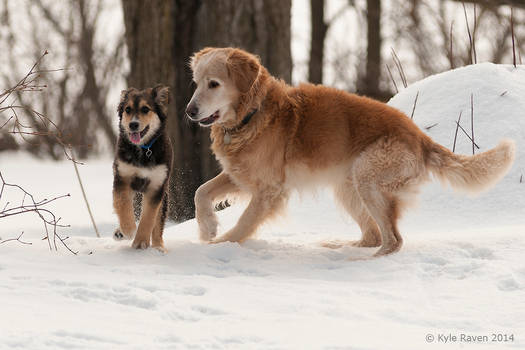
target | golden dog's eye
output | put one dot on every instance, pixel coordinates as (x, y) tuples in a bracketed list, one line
[(128, 110), (144, 110), (213, 84)]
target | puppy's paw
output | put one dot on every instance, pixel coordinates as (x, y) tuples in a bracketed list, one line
[(118, 235), (140, 244)]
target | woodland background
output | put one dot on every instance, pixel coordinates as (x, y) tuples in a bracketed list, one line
[(96, 48)]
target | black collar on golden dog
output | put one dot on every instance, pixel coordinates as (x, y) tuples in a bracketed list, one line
[(245, 120)]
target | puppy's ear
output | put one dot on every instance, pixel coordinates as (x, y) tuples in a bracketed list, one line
[(123, 99), (197, 55), (243, 68), (161, 96)]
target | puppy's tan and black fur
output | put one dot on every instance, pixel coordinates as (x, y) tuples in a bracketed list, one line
[(142, 164)]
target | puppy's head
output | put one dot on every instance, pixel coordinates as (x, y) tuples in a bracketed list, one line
[(222, 76), (142, 113)]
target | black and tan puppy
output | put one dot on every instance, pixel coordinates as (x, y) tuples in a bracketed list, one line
[(142, 164)]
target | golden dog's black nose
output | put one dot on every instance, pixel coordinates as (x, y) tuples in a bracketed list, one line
[(192, 111)]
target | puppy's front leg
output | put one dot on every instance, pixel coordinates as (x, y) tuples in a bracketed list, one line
[(262, 206), (150, 209), (206, 194), (123, 204)]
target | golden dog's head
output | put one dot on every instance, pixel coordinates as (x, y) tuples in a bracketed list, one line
[(226, 80), (142, 113)]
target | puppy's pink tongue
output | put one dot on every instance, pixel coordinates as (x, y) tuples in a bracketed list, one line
[(135, 137)]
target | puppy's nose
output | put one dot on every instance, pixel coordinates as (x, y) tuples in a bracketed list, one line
[(133, 126), (192, 111)]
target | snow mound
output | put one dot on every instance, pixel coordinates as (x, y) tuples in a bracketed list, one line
[(460, 271), (497, 95)]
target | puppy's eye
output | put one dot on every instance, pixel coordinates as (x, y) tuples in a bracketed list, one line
[(144, 110), (213, 84), (128, 110)]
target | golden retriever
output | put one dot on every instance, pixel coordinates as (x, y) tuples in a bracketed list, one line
[(271, 138)]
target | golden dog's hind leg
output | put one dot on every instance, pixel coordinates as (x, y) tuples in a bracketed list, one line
[(156, 237), (384, 209), (349, 198), (150, 209), (262, 206), (379, 192), (123, 204), (205, 196)]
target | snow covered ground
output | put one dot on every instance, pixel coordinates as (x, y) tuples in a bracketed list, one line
[(461, 270)]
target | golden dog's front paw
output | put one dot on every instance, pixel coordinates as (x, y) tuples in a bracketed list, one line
[(207, 227), (160, 248), (139, 243), (207, 236), (230, 236)]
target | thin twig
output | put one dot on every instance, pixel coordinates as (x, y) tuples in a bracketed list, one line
[(451, 46), (469, 35), (84, 194), (22, 84), (414, 107), (430, 126), (456, 133), (392, 77), (467, 134), (512, 34), (399, 66), (472, 120), (16, 239), (474, 36)]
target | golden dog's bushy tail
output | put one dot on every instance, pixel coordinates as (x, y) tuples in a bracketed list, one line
[(470, 174)]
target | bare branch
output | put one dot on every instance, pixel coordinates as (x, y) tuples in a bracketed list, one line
[(16, 239), (49, 220)]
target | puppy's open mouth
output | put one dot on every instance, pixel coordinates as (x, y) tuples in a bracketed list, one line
[(210, 120), (136, 136)]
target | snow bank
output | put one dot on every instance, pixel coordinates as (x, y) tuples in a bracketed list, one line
[(498, 95), (461, 269)]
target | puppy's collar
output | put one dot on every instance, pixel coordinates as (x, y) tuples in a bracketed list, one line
[(245, 120), (148, 146)]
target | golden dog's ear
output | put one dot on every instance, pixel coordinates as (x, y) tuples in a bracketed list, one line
[(123, 98), (243, 68), (197, 55)]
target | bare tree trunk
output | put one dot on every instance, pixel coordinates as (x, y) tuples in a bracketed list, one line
[(194, 163), (319, 28), (150, 37), (161, 36), (91, 88), (370, 83), (261, 27)]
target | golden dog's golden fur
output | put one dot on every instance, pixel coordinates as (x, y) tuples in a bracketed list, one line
[(373, 155)]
